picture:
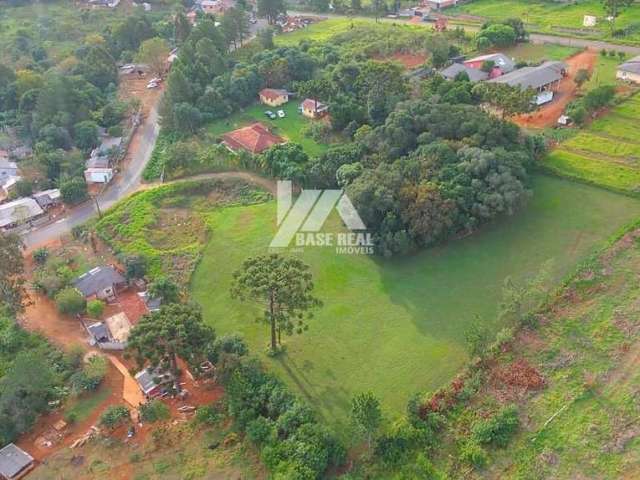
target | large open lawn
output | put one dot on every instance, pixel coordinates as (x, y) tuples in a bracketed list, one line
[(291, 127), (606, 153), (396, 326)]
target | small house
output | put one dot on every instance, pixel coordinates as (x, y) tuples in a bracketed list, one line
[(629, 71), (274, 97), (312, 108), (439, 4), (255, 139), (15, 463), (98, 175), (101, 282), (19, 212), (48, 198), (99, 332), (153, 383), (501, 64)]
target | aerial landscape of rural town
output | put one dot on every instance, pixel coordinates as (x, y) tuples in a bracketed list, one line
[(320, 239)]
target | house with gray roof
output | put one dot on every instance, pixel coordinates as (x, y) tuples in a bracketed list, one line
[(500, 61), (18, 213), (101, 282), (629, 71), (544, 79), (474, 74), (7, 169), (14, 462)]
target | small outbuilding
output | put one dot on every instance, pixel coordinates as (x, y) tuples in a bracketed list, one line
[(312, 108), (153, 383), (629, 71), (15, 463)]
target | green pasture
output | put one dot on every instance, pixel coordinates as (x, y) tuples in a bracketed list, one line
[(549, 16), (291, 127), (321, 31), (396, 326), (537, 52), (607, 152)]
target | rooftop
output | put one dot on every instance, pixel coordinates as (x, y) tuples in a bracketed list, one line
[(500, 59), (632, 65), (475, 74), (533, 77), (19, 210), (255, 138), (13, 460), (98, 279), (272, 93)]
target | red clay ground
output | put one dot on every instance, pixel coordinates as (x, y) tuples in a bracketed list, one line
[(408, 60), (547, 115)]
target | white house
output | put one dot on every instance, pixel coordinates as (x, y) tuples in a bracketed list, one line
[(98, 175)]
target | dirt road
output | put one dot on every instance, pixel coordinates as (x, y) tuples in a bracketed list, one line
[(547, 115)]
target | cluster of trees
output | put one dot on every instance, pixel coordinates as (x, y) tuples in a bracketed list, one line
[(501, 34), (581, 109)]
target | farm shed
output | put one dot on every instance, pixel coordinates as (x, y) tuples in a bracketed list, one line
[(543, 79), (19, 212)]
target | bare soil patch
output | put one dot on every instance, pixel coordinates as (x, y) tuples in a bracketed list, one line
[(409, 61)]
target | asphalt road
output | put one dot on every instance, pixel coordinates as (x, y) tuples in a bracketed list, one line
[(127, 182)]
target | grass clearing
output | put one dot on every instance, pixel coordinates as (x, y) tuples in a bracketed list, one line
[(606, 152), (321, 31), (291, 127), (396, 326), (537, 52), (83, 406)]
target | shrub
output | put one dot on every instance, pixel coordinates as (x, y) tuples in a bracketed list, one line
[(154, 411), (498, 429), (73, 190), (227, 344), (207, 414), (95, 308), (261, 431), (40, 255), (114, 416), (473, 454), (70, 301), (90, 377)]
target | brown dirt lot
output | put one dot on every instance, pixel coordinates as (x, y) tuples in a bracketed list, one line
[(547, 116), (408, 60)]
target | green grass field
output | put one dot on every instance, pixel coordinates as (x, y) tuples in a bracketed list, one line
[(550, 16), (533, 52), (291, 127), (606, 153), (321, 31), (396, 326)]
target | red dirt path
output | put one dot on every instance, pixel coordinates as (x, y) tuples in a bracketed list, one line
[(547, 115)]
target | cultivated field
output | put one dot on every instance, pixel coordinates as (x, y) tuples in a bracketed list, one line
[(397, 326), (606, 153)]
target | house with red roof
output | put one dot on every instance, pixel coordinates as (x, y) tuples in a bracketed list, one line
[(254, 138), (274, 97)]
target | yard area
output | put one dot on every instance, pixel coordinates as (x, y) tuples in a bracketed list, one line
[(321, 31), (606, 152), (291, 127), (538, 52), (396, 326), (553, 17)]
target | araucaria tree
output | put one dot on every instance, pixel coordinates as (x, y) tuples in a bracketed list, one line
[(176, 330), (614, 8), (283, 286)]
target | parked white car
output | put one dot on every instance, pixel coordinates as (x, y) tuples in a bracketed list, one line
[(281, 114), (152, 85)]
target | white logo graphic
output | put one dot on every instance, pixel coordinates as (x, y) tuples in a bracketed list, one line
[(303, 220)]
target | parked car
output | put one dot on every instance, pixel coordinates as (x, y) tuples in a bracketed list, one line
[(270, 114), (152, 85), (281, 113)]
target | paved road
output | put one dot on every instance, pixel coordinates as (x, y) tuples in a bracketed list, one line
[(534, 37), (128, 181)]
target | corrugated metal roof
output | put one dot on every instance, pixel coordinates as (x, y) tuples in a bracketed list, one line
[(533, 77), (13, 460)]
